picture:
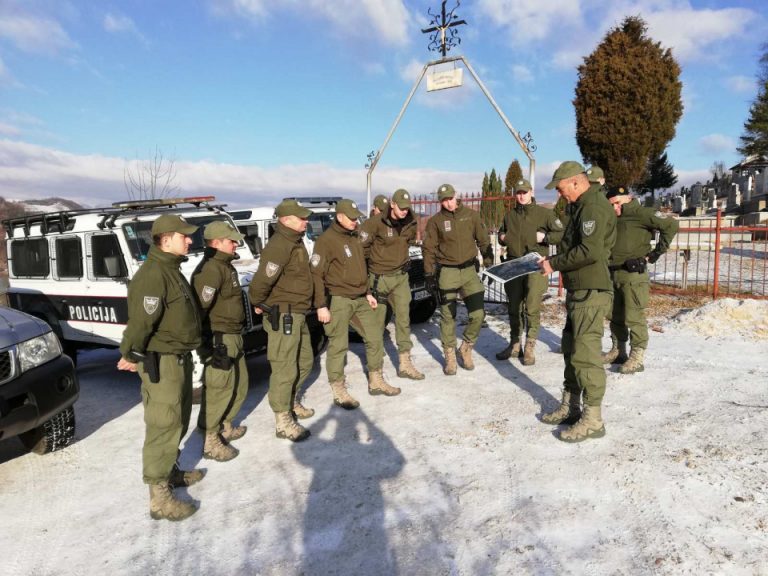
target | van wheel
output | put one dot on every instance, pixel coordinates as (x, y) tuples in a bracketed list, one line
[(422, 311), (55, 434)]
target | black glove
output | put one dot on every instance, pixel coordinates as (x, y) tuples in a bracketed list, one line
[(652, 257), (431, 284), (488, 257)]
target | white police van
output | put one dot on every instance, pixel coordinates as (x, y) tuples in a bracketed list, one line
[(72, 268)]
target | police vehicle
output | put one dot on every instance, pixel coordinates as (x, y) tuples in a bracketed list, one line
[(261, 222), (72, 268)]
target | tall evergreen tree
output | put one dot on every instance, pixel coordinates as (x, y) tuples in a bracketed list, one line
[(514, 174), (628, 102), (754, 141), (660, 175)]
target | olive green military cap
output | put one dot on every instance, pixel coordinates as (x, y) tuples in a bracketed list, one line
[(594, 173), (567, 169), (445, 191), (617, 191), (381, 202), (292, 207), (348, 208), (402, 198), (172, 223), (219, 230), (523, 184)]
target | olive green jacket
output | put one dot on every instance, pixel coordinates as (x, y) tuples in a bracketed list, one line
[(453, 238), (162, 309), (218, 291), (585, 249), (338, 265), (386, 240), (284, 277), (520, 226), (635, 229)]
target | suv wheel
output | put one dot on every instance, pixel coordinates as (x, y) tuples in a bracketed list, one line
[(55, 434), (422, 311)]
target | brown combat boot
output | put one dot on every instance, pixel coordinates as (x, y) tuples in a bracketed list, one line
[(465, 353), (529, 357), (230, 432), (287, 427), (568, 412), (343, 398), (163, 505), (617, 354), (215, 449), (300, 411), (513, 349), (634, 363), (590, 425), (406, 368), (185, 478), (377, 385), (450, 361)]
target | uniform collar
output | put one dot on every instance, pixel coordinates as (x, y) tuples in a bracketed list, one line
[(289, 233), (165, 258), (339, 229)]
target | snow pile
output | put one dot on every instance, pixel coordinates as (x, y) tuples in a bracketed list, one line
[(728, 317)]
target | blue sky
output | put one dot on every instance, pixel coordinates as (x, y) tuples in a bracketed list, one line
[(259, 99)]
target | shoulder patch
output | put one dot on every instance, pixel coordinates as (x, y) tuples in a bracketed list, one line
[(558, 223), (659, 214), (315, 260), (363, 235), (208, 293), (271, 269), (588, 227), (150, 304)]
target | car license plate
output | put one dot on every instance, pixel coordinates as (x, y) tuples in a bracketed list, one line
[(420, 295)]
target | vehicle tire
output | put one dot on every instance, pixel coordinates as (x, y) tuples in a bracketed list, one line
[(55, 434), (422, 311), (317, 335)]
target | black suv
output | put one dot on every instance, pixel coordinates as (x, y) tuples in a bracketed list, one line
[(38, 384)]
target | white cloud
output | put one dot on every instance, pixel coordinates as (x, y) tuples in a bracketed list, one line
[(29, 171), (716, 144), (688, 178), (121, 24), (521, 74), (9, 130), (31, 33), (691, 33), (386, 21), (411, 71), (741, 84), (529, 20)]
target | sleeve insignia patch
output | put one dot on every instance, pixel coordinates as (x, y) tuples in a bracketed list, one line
[(660, 214), (208, 293), (272, 269), (363, 235), (558, 223), (315, 260), (150, 304), (588, 227)]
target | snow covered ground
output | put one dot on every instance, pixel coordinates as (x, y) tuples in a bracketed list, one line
[(457, 475)]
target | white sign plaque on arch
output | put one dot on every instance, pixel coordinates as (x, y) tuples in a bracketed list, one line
[(442, 79)]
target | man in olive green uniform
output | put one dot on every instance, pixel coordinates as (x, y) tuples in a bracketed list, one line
[(583, 262), (342, 297), (284, 284), (451, 242), (225, 376), (380, 205), (526, 228), (386, 238), (163, 328), (636, 226)]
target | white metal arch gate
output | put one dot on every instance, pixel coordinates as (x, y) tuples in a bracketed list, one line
[(515, 134)]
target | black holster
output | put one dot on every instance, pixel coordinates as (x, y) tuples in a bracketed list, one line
[(220, 358), (150, 363)]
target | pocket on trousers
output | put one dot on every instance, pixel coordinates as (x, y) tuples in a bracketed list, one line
[(161, 414)]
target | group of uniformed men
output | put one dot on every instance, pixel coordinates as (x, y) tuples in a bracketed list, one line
[(350, 280)]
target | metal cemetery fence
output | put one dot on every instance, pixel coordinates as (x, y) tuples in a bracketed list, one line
[(709, 255)]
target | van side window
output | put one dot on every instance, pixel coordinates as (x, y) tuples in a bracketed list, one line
[(30, 257), (69, 258), (106, 257)]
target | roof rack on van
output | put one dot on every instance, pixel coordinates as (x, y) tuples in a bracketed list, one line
[(196, 201), (315, 199)]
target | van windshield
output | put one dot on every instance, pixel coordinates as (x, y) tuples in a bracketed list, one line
[(319, 223), (139, 234)]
